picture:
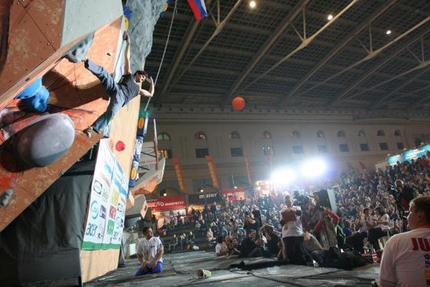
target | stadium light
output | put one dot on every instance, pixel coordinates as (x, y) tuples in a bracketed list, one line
[(284, 176), (314, 168)]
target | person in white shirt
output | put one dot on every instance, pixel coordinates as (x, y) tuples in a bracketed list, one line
[(292, 234), (150, 252), (221, 248), (406, 258)]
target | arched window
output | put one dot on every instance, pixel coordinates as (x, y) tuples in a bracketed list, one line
[(163, 137), (295, 134), (320, 134), (340, 134), (200, 136), (234, 135), (267, 135), (397, 133), (419, 141), (361, 133), (380, 133)]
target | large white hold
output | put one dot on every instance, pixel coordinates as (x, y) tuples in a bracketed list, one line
[(45, 140)]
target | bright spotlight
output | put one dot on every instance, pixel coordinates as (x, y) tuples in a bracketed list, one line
[(252, 4), (314, 168), (330, 17), (388, 32), (282, 177)]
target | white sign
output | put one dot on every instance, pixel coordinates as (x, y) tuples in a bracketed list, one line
[(108, 201)]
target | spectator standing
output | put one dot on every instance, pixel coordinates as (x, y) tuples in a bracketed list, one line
[(293, 235)]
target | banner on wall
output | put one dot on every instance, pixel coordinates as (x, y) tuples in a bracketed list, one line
[(248, 168), (234, 194), (212, 171), (176, 202), (202, 198), (108, 200), (179, 173), (408, 155), (142, 127)]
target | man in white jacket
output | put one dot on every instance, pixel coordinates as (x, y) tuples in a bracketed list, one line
[(406, 257), (149, 252)]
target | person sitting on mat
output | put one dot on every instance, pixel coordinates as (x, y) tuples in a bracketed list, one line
[(150, 252)]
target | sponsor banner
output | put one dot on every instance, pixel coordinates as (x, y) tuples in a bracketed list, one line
[(234, 194), (212, 171), (248, 168), (108, 201), (202, 198), (142, 127), (409, 155), (179, 173), (167, 203), (134, 174)]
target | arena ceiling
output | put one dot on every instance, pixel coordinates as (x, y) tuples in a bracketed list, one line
[(286, 54)]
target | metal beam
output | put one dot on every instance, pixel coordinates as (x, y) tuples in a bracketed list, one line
[(266, 46), (421, 89), (177, 59), (354, 85), (422, 65), (218, 30), (418, 104), (337, 49), (375, 68), (371, 55), (303, 45), (404, 84)]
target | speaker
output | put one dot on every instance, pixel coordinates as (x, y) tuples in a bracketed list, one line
[(327, 199)]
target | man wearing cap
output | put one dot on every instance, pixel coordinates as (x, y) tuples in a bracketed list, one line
[(119, 93)]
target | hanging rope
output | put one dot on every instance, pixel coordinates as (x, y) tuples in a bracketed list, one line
[(175, 10)]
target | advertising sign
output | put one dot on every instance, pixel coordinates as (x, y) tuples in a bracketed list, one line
[(408, 155), (202, 198), (212, 171), (234, 194), (179, 173), (162, 203), (108, 200)]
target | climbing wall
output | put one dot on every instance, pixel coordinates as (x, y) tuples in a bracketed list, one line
[(38, 34)]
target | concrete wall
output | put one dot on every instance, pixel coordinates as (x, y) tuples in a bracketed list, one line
[(182, 124)]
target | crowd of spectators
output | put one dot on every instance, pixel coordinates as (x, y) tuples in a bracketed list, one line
[(370, 204), (292, 224)]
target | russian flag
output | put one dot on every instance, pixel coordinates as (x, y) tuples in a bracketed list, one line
[(199, 8)]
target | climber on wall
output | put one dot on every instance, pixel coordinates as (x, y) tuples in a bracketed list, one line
[(120, 93)]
